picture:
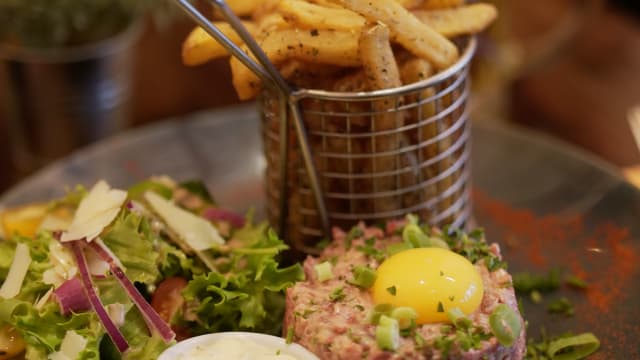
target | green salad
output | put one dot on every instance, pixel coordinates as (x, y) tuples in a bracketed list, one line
[(113, 274)]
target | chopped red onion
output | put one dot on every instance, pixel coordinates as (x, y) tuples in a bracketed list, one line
[(72, 297), (114, 333), (217, 214), (151, 317)]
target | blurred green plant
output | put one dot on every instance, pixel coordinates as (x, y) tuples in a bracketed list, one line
[(61, 23)]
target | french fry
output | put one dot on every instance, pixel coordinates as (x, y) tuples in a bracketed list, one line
[(407, 30), (200, 47), (377, 58), (312, 16), (308, 75), (327, 3), (463, 20), (382, 72), (354, 82), (264, 8), (243, 7), (273, 21), (441, 4), (411, 71), (321, 47), (346, 46), (410, 4)]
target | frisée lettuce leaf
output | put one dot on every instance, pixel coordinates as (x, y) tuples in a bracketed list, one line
[(247, 293), (132, 241), (6, 257)]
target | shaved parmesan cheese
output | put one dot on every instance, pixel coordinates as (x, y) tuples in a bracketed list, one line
[(43, 300), (111, 254), (18, 270), (53, 277), (195, 231), (54, 223), (64, 265), (117, 313), (95, 212), (97, 266), (72, 345)]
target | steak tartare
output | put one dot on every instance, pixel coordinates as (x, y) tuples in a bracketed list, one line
[(335, 317)]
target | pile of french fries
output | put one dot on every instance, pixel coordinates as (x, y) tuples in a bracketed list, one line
[(358, 46), (343, 34)]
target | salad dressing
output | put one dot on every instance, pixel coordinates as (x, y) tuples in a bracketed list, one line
[(230, 348)]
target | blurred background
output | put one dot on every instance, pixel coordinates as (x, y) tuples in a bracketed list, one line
[(566, 67)]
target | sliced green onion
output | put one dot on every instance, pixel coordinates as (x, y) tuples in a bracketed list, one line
[(505, 324), (414, 236), (574, 347), (458, 318), (363, 277), (388, 333), (378, 311), (406, 317), (323, 271), (438, 242), (412, 219)]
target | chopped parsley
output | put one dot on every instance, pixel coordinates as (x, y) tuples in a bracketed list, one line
[(440, 307), (536, 297), (561, 306), (473, 247), (576, 282), (322, 244), (420, 342), (526, 283), (290, 334), (337, 294), (392, 290), (354, 233), (370, 250)]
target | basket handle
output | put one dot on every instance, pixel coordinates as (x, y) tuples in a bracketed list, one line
[(268, 73)]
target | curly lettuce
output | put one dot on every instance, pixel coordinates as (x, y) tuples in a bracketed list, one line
[(247, 293)]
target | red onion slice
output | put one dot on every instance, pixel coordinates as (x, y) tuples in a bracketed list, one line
[(216, 214), (114, 333), (72, 297), (151, 317)]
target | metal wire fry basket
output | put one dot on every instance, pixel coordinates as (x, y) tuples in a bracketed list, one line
[(378, 155), (337, 158)]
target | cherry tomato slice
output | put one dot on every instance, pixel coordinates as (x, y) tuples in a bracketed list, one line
[(167, 300)]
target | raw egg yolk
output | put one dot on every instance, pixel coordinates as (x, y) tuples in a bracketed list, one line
[(429, 280)]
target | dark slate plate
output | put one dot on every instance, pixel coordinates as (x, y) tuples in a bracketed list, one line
[(547, 204)]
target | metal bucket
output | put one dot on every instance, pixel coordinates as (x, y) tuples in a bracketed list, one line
[(376, 163), (56, 100)]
